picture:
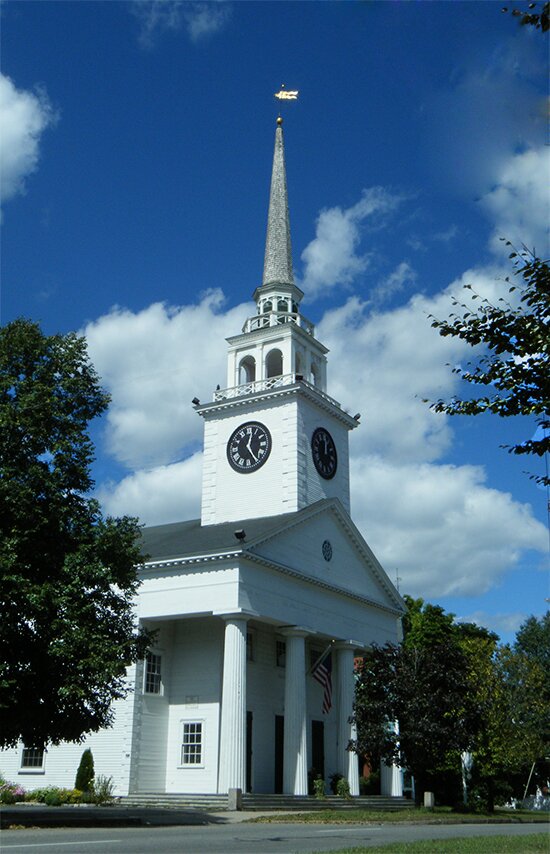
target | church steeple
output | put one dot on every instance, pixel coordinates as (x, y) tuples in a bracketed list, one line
[(278, 251)]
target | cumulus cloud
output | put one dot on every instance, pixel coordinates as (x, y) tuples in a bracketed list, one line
[(154, 363), (519, 202), (396, 360), (159, 495), (440, 525), (332, 259), (200, 19), (402, 277), (24, 116), (495, 100), (507, 624)]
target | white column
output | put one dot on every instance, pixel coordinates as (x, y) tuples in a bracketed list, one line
[(232, 759), (391, 776), (348, 765), (295, 734)]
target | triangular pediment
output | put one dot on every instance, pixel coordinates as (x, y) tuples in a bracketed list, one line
[(321, 543)]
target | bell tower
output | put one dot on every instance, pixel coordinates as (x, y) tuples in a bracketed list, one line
[(274, 441)]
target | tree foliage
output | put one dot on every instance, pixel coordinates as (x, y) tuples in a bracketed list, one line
[(452, 688), (532, 17), (68, 575), (514, 367)]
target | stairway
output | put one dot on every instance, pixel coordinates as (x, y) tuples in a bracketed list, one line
[(264, 803)]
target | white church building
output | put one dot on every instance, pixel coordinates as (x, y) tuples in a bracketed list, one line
[(262, 604)]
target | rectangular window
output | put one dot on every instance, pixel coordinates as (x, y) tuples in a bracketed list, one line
[(249, 646), (191, 747), (280, 653), (152, 677), (32, 759)]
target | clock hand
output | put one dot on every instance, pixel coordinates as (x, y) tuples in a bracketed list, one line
[(250, 451)]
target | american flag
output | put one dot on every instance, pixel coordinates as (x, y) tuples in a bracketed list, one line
[(323, 675)]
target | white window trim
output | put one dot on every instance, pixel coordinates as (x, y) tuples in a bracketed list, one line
[(160, 692), (29, 769), (202, 763)]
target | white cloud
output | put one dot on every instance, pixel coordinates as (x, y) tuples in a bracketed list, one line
[(519, 203), (154, 363), (157, 496), (398, 279), (201, 19), (491, 107), (23, 117), (507, 624), (440, 526), (396, 360), (332, 258), (205, 19)]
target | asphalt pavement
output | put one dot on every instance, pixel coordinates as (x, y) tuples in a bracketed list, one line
[(229, 837)]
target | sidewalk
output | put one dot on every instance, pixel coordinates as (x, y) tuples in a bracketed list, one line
[(40, 815)]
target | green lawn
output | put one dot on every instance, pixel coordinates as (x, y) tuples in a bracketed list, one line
[(534, 843), (440, 815)]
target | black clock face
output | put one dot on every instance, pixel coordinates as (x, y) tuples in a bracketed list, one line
[(249, 447), (324, 454)]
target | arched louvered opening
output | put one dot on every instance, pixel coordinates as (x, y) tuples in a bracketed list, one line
[(274, 364), (315, 374), (247, 370)]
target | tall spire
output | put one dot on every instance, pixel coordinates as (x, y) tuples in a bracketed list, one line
[(278, 253)]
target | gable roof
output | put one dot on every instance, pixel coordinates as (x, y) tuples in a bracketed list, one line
[(186, 539), (191, 542)]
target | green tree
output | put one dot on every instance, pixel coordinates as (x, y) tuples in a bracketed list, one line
[(68, 575), (514, 365), (86, 773), (533, 640), (514, 715), (426, 689)]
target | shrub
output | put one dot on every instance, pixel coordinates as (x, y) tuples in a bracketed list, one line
[(53, 798), (102, 792), (319, 788), (342, 789), (10, 793), (85, 774), (334, 778), (6, 794)]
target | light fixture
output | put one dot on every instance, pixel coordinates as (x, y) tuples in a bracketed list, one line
[(195, 401), (240, 535), (357, 416)]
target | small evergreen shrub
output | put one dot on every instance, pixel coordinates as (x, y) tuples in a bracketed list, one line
[(85, 774), (319, 788)]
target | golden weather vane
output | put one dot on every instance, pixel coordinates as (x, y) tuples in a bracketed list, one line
[(285, 95)]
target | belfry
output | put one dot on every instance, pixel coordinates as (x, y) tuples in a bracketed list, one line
[(261, 604)]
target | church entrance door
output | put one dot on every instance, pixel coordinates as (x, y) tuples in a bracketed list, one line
[(318, 748), (279, 742), (249, 751)]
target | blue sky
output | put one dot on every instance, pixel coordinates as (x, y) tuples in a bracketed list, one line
[(136, 161)]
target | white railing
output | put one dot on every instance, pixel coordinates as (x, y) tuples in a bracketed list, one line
[(276, 318), (267, 384)]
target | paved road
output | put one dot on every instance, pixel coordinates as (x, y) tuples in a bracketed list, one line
[(237, 838)]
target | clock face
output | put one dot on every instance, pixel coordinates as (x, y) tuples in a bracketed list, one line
[(249, 447), (324, 454)]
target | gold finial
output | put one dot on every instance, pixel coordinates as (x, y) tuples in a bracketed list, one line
[(279, 120)]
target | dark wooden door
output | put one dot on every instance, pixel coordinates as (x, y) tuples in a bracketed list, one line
[(279, 753), (249, 751), (318, 748)]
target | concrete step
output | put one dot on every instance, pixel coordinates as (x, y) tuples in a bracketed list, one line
[(263, 802)]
